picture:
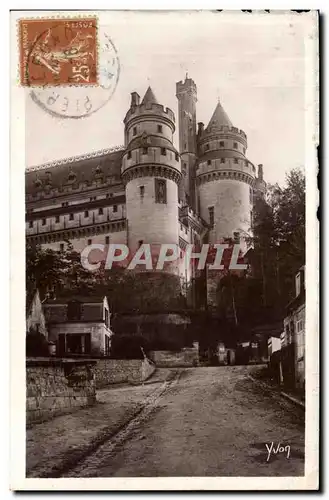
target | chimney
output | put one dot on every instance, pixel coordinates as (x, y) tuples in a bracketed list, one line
[(134, 99), (200, 128)]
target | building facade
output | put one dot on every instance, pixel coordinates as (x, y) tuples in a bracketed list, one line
[(146, 191)]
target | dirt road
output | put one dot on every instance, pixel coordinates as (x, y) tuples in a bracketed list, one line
[(208, 422)]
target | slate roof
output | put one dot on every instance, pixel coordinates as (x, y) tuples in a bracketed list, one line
[(149, 97), (76, 170), (219, 118)]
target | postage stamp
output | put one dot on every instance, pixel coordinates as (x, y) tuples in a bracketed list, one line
[(58, 52), (79, 100)]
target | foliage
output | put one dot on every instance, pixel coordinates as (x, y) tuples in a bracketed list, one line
[(278, 252)]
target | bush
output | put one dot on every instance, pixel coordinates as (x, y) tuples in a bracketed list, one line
[(36, 345)]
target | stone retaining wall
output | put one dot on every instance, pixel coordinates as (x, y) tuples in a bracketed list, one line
[(57, 386), (116, 371), (188, 356)]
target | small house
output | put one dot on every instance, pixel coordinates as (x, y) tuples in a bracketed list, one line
[(79, 325)]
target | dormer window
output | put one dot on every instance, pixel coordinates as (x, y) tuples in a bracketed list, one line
[(37, 183), (72, 176)]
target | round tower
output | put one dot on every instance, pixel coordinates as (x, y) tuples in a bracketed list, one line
[(225, 179), (186, 93), (151, 173)]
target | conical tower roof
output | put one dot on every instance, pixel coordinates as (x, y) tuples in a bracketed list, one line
[(149, 97), (219, 118)]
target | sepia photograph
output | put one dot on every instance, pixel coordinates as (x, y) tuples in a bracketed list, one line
[(165, 167)]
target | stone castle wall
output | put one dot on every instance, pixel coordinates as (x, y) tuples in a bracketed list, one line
[(116, 371), (57, 386), (188, 356)]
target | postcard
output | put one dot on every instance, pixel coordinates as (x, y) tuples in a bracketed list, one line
[(164, 262)]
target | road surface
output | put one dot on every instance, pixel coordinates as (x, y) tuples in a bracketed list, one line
[(212, 421)]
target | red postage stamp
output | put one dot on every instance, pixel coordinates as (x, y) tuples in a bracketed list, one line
[(58, 52)]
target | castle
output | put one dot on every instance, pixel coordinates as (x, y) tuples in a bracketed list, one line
[(146, 191)]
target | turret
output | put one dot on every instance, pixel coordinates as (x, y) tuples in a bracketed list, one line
[(186, 93), (225, 179), (151, 172)]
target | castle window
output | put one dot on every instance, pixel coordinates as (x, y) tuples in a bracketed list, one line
[(236, 237), (65, 204), (160, 129), (71, 216), (250, 195), (61, 247), (221, 144), (115, 208), (140, 243), (107, 240), (160, 191), (209, 162), (185, 146), (176, 156), (141, 191), (86, 213), (211, 216), (222, 160), (57, 218), (31, 223), (244, 150), (235, 145), (144, 151), (90, 242), (135, 131), (207, 147), (100, 211), (163, 151), (43, 222), (129, 155), (236, 160)]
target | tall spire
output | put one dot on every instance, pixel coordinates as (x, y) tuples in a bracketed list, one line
[(149, 97), (219, 118)]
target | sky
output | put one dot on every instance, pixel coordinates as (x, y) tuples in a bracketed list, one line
[(254, 63)]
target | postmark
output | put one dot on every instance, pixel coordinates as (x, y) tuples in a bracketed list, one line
[(81, 101), (58, 52)]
